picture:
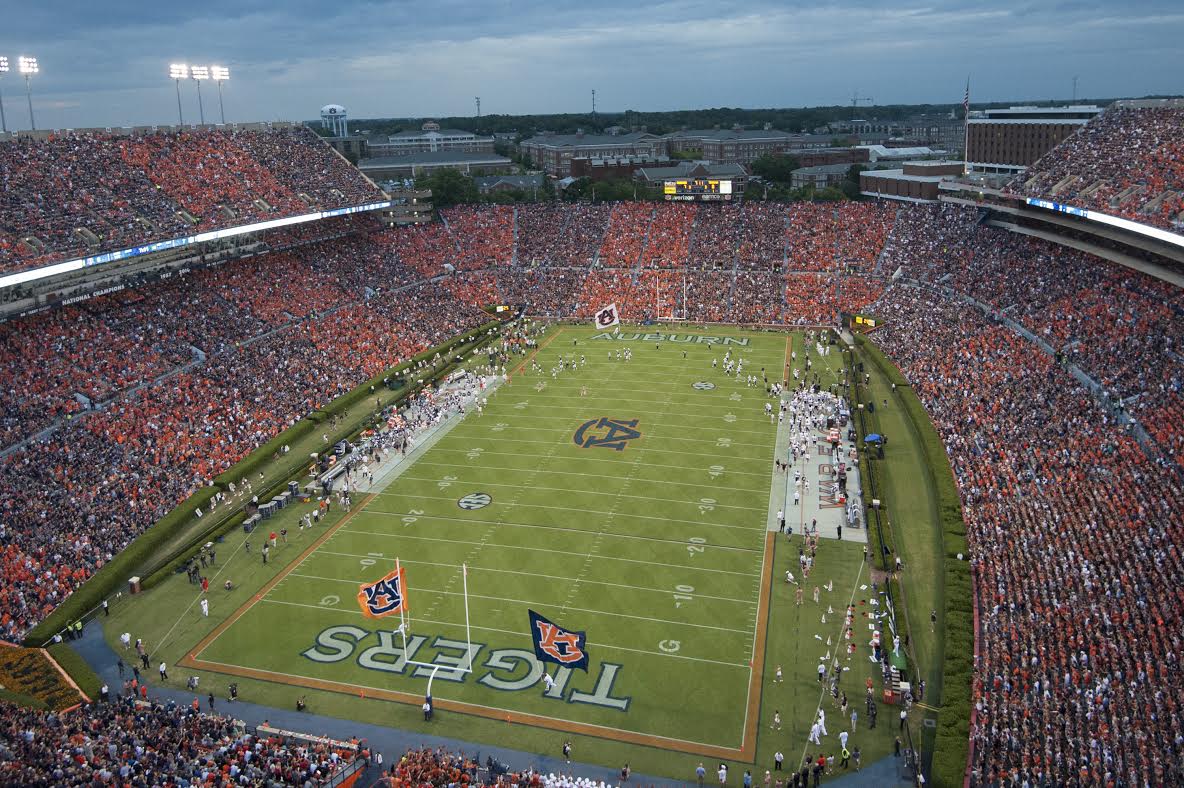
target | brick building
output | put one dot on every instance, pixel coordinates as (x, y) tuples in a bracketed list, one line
[(553, 153), (620, 168), (916, 181), (740, 146), (1010, 140)]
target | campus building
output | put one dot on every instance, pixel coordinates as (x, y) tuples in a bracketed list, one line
[(554, 153), (740, 146), (431, 139), (1010, 140)]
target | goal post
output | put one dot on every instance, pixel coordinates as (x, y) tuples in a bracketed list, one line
[(405, 625)]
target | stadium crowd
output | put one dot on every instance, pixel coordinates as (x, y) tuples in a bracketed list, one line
[(1069, 519), (249, 347), (1127, 161), (126, 742), (1071, 513), (73, 195)]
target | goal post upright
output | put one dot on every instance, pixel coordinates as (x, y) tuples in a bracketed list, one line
[(405, 621), (464, 569)]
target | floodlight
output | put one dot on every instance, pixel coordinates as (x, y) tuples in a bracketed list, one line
[(219, 73), (178, 71), (3, 64), (199, 72), (28, 67)]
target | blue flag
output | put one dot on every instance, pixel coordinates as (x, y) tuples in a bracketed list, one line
[(553, 643)]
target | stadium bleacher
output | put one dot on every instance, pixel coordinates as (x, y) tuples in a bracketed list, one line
[(1071, 506), (1127, 161), (74, 195)]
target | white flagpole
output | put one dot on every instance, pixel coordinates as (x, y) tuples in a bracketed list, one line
[(403, 607), (966, 132), (468, 632)]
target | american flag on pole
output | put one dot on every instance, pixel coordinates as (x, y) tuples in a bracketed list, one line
[(966, 99)]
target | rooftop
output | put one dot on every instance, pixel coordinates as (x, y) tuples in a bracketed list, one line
[(693, 169), (432, 157), (417, 134), (591, 140)]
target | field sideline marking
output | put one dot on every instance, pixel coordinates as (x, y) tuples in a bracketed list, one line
[(838, 646), (757, 665), (589, 492), (513, 524), (577, 511), (536, 603), (545, 577)]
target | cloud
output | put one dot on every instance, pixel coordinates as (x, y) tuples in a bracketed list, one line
[(106, 63)]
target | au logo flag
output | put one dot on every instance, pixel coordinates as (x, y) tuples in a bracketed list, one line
[(553, 643), (608, 316), (385, 596)]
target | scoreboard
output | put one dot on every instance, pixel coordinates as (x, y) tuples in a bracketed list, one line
[(709, 189)]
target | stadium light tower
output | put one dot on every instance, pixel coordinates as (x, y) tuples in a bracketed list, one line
[(28, 66), (198, 73), (220, 74), (3, 71), (178, 72)]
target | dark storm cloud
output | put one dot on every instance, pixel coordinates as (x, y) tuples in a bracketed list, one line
[(105, 63)]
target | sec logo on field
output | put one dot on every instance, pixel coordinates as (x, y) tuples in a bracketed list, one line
[(703, 385), (475, 501)]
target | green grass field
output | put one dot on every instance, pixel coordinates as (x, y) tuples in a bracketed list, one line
[(657, 549)]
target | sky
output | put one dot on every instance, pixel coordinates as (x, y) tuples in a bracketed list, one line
[(106, 63)]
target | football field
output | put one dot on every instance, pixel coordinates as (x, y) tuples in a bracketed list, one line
[(627, 498)]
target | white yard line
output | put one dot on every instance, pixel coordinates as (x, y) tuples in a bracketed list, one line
[(523, 633), (729, 427), (537, 603), (500, 439), (549, 488), (566, 509), (472, 568), (468, 521)]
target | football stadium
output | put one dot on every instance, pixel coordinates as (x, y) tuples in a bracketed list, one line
[(696, 488)]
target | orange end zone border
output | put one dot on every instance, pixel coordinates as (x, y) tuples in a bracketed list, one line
[(745, 753)]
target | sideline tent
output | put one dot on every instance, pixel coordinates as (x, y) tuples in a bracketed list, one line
[(873, 438)]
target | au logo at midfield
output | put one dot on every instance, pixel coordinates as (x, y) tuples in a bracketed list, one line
[(606, 432)]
